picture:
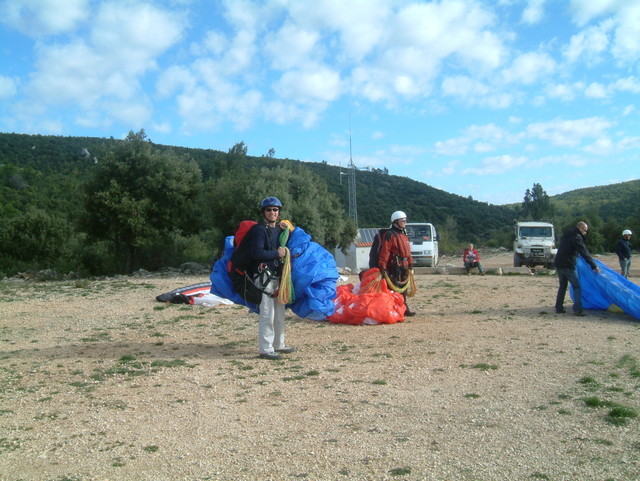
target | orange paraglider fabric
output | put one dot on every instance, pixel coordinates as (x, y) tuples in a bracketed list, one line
[(371, 302)]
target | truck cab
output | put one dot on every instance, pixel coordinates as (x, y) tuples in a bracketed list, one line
[(424, 244), (534, 245)]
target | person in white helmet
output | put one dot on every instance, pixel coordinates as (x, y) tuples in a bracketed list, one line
[(623, 249), (395, 254)]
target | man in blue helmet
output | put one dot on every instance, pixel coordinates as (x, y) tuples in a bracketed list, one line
[(266, 254)]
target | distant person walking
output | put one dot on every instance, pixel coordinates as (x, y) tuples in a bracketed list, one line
[(623, 249), (572, 244)]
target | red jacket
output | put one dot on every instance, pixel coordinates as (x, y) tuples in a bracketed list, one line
[(465, 256), (395, 249)]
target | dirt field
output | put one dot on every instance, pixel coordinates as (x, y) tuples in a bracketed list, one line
[(99, 381)]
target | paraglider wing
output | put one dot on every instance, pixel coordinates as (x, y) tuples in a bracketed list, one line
[(607, 289), (314, 275), (313, 272), (220, 280)]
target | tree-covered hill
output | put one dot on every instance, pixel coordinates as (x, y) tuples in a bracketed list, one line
[(46, 183)]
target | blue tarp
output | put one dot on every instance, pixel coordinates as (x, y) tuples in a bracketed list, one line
[(607, 289), (313, 272)]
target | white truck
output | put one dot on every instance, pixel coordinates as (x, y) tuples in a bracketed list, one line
[(534, 245), (423, 239)]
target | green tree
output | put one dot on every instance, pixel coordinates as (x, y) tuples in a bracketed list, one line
[(236, 195), (139, 197), (35, 237), (536, 204)]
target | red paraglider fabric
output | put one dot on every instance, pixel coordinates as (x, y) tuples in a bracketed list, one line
[(371, 302)]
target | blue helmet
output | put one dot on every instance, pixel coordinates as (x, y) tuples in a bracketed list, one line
[(270, 202)]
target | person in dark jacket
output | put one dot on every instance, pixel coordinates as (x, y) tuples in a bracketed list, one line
[(266, 269), (623, 249), (572, 244)]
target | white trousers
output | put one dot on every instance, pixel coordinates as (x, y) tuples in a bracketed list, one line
[(271, 322)]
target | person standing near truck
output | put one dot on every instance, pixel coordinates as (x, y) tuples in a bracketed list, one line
[(572, 244), (395, 256), (623, 249)]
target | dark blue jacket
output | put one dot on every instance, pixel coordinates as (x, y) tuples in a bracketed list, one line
[(571, 245), (623, 249), (264, 248)]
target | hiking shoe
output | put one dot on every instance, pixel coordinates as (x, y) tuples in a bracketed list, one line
[(580, 314), (409, 313), (560, 311), (287, 350), (272, 356)]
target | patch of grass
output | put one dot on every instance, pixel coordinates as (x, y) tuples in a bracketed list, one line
[(538, 475), (472, 396), (9, 445), (620, 415), (483, 366), (151, 449), (595, 402), (400, 471), (380, 382)]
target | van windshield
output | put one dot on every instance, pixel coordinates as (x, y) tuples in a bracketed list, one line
[(535, 232), (419, 233)]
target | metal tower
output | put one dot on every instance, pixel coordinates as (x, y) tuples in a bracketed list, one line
[(353, 204)]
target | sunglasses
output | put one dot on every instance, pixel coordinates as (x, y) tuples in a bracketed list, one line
[(272, 209)]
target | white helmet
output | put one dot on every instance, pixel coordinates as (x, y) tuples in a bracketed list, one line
[(398, 215), (626, 232)]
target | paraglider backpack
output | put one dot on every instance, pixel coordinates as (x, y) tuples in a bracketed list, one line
[(383, 235), (251, 289)]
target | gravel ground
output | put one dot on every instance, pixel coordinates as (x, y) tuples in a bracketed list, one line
[(101, 382)]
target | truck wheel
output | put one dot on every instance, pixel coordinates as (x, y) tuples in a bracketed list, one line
[(516, 261)]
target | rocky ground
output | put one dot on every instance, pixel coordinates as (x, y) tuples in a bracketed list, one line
[(99, 381)]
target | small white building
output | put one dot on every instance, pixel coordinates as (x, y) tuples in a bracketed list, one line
[(357, 256)]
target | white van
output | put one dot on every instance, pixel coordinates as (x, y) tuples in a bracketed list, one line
[(424, 244)]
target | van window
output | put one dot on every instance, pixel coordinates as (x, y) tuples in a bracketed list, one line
[(419, 232)]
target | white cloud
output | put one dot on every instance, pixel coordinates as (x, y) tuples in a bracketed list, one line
[(529, 68), (481, 138), (496, 165), (566, 92), (596, 90), (291, 46), (474, 92), (569, 133), (627, 84), (590, 43), (602, 146), (103, 73), (39, 18), (320, 84), (8, 87), (534, 12), (626, 17)]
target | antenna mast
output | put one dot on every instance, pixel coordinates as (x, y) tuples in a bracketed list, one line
[(353, 204)]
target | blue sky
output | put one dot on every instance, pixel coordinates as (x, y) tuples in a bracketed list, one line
[(477, 98)]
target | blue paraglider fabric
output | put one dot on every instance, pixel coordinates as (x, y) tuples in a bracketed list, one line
[(313, 272), (606, 289)]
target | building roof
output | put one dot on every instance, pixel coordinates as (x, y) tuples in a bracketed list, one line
[(365, 237)]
